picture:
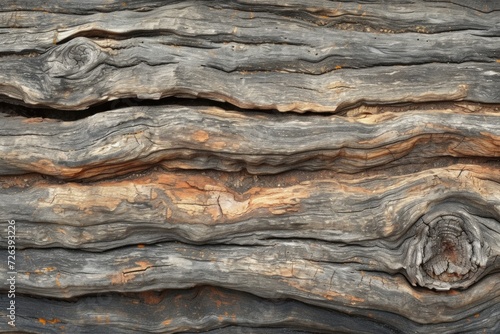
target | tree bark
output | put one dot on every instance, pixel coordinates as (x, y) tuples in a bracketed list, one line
[(250, 166)]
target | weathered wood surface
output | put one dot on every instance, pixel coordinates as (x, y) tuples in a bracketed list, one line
[(201, 208), (125, 140), (218, 213), (79, 74), (211, 308), (338, 253), (303, 271), (208, 307), (177, 310), (244, 55)]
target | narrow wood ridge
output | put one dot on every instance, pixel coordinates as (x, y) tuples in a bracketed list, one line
[(251, 167), (179, 137), (423, 16)]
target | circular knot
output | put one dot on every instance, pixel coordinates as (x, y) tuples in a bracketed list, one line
[(74, 59), (447, 251)]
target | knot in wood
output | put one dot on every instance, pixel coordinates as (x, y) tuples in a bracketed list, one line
[(447, 251), (74, 59)]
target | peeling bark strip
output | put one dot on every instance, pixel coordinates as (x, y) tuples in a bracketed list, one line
[(219, 214), (125, 140)]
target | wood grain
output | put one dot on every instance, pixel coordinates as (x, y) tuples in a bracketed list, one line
[(199, 209), (287, 269), (201, 307), (229, 53), (179, 137), (251, 166), (217, 310)]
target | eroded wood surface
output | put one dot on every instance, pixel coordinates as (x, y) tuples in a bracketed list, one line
[(210, 308), (200, 208), (120, 141), (315, 241), (138, 210), (175, 310), (243, 54)]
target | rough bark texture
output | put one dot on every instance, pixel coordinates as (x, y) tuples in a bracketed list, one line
[(251, 166)]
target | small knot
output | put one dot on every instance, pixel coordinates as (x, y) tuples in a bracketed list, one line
[(74, 59), (447, 251)]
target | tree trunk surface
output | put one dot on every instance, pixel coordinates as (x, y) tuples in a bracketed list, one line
[(250, 166)]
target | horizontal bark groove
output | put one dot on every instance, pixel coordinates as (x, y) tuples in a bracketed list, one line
[(179, 137)]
